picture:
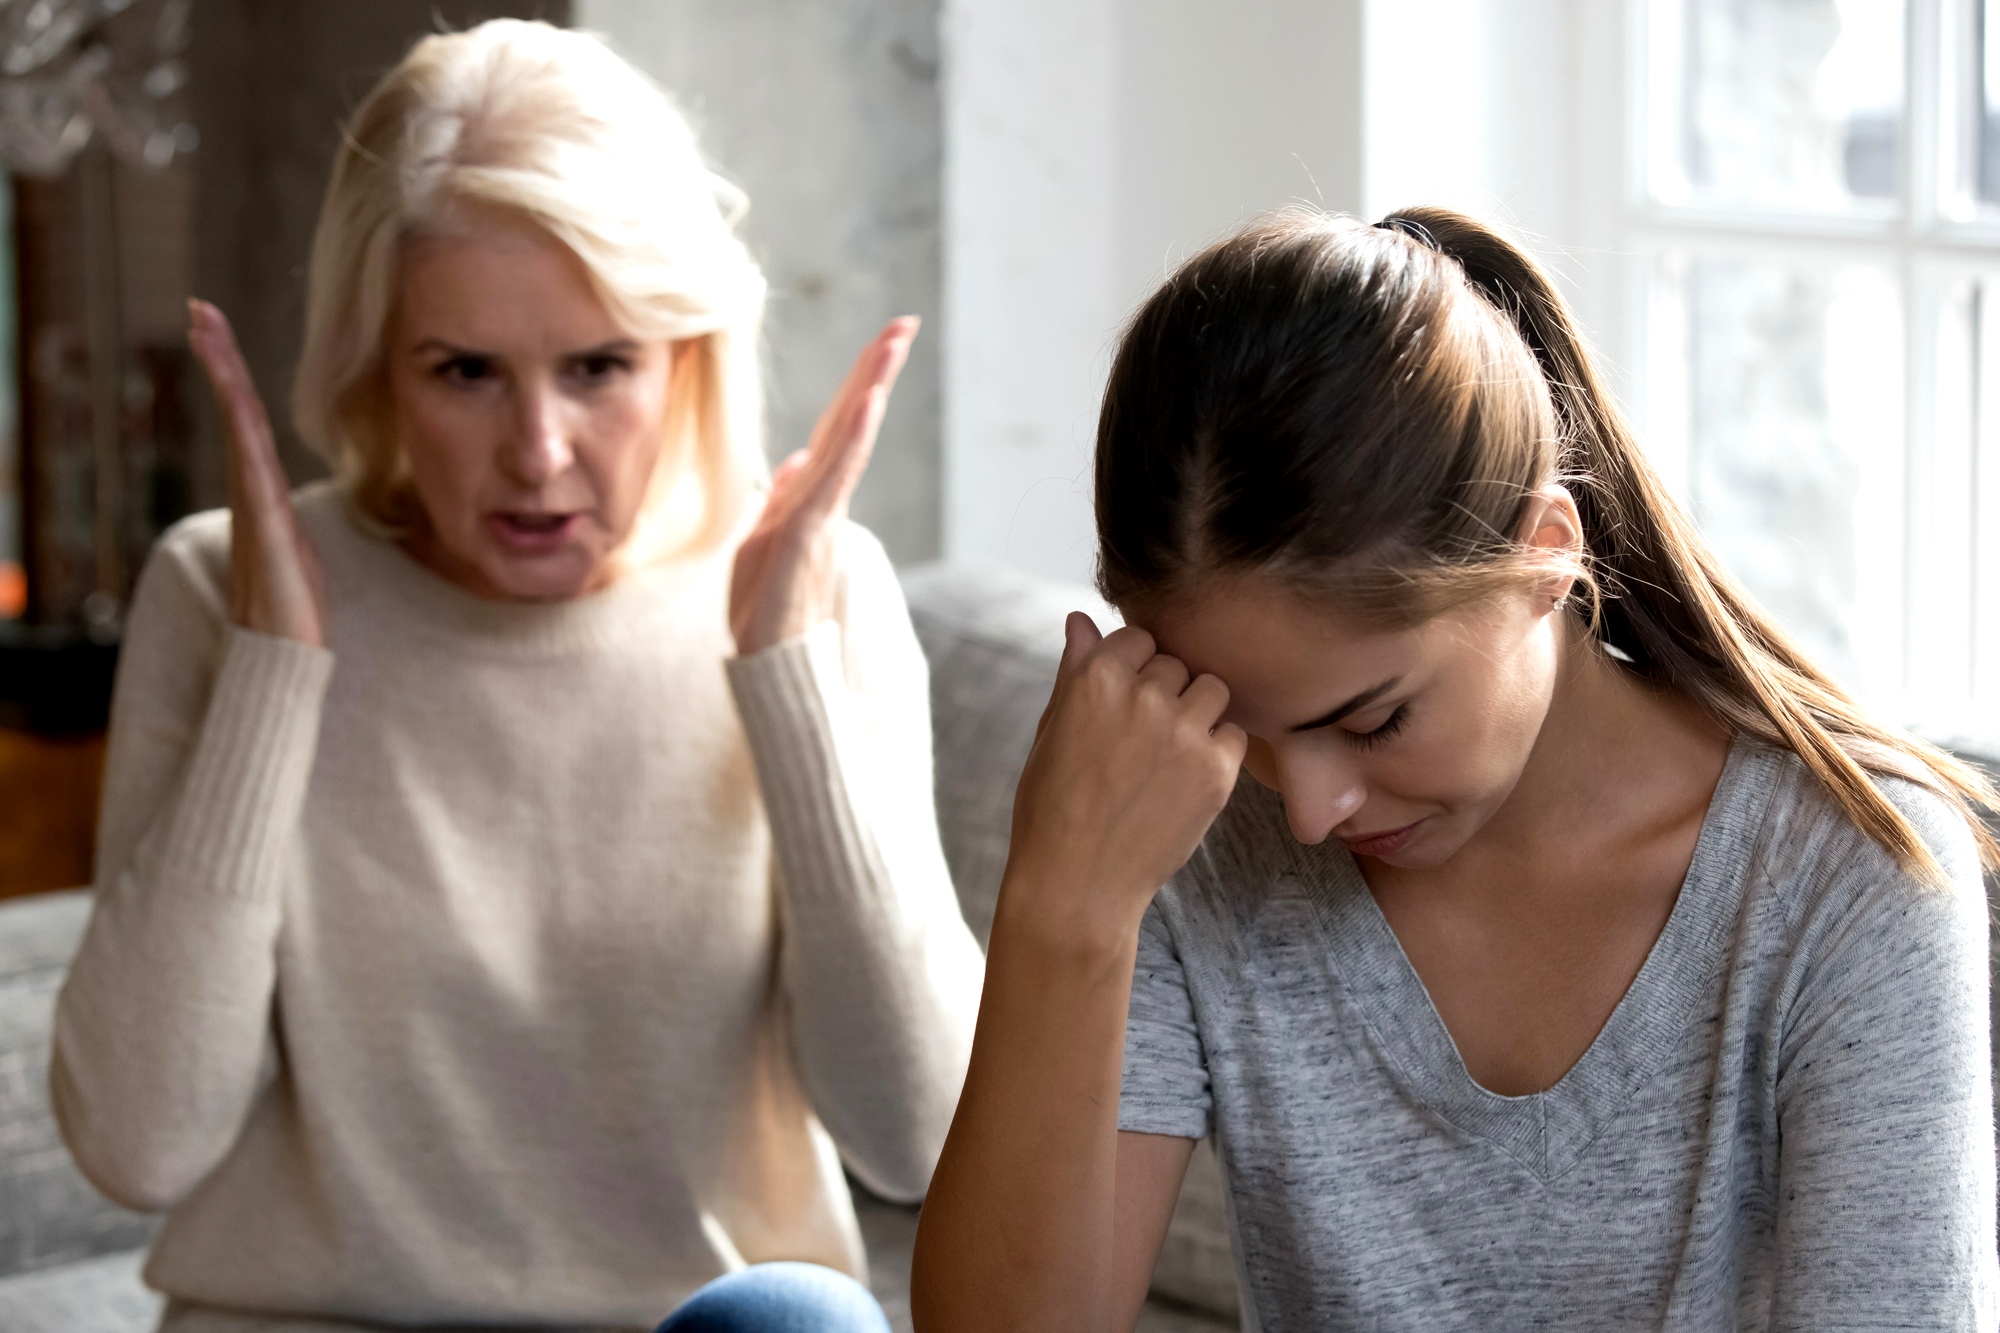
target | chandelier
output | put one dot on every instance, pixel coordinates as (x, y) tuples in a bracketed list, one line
[(74, 69)]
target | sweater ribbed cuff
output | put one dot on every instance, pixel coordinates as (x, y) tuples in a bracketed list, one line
[(791, 698), (247, 777)]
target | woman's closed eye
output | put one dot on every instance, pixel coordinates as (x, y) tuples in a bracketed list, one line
[(1368, 740)]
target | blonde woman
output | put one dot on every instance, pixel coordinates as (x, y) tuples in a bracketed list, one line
[(518, 888)]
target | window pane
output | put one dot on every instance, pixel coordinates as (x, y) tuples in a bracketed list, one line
[(1795, 457), (1985, 509), (1786, 104), (1989, 101)]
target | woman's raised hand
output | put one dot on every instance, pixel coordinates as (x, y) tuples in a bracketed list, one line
[(1131, 764), (785, 579), (274, 573)]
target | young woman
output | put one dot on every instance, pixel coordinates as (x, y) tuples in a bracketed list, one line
[(518, 892), (1576, 955)]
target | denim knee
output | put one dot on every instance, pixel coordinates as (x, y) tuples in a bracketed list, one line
[(780, 1298)]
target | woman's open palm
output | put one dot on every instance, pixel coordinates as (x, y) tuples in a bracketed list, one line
[(785, 578), (275, 585)]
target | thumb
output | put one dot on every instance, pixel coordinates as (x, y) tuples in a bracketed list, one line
[(1080, 635)]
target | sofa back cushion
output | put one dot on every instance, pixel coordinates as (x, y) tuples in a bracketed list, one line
[(993, 640)]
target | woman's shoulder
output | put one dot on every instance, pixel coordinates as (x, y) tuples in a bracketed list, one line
[(1831, 881)]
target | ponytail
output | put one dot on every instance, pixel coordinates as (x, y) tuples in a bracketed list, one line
[(1664, 600), (1214, 451)]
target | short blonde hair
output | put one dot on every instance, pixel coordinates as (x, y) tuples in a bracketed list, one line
[(551, 127)]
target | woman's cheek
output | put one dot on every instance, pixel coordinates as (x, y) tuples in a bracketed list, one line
[(448, 453)]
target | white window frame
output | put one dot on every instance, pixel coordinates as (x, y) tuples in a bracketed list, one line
[(1941, 606)]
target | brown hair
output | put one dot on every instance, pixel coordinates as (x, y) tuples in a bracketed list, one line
[(1361, 413)]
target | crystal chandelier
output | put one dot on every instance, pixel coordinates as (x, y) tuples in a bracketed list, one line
[(71, 69)]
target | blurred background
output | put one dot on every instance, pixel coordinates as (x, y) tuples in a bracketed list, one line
[(1779, 219)]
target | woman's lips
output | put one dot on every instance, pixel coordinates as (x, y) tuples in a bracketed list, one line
[(1382, 844), (523, 532)]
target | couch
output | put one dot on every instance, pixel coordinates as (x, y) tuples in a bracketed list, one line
[(69, 1260)]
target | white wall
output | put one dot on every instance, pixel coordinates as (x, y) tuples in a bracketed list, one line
[(1030, 273), (1091, 144), (826, 112)]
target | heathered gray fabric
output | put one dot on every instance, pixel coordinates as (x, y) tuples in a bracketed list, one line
[(1787, 1123)]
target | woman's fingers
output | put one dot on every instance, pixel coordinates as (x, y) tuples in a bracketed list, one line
[(1166, 672), (787, 484), (253, 453), (214, 343), (275, 583), (1130, 646), (846, 438), (783, 578), (1234, 742), (1080, 635), (1207, 699)]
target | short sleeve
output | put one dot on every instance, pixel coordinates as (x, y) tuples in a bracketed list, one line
[(1166, 1071), (1885, 1101)]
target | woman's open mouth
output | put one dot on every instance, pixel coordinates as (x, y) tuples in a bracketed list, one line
[(528, 532)]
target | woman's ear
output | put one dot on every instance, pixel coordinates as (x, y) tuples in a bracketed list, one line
[(1552, 529)]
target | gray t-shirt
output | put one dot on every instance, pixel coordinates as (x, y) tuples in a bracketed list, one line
[(1787, 1123)]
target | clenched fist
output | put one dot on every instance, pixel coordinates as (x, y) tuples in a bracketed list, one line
[(1130, 766)]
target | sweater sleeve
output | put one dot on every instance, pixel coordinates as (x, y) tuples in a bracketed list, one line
[(1885, 1104), (881, 974), (163, 1029)]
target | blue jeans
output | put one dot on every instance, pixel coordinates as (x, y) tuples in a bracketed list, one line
[(779, 1298)]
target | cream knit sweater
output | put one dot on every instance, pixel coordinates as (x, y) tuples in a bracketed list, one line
[(504, 963)]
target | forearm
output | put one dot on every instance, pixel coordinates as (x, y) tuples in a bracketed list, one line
[(882, 1012), (162, 1042), (1017, 1231), (880, 972), (162, 1035)]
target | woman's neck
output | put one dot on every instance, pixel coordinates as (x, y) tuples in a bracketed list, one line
[(1617, 755)]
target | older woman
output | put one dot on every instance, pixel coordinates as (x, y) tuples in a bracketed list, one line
[(518, 888)]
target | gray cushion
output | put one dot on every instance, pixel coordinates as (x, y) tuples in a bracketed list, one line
[(102, 1295), (993, 639), (48, 1213)]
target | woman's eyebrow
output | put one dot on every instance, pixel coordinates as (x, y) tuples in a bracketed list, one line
[(1361, 700), (616, 347), (450, 349)]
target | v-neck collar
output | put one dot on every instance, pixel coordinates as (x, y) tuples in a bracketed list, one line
[(1548, 1131)]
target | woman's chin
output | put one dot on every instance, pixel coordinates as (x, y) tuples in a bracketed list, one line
[(555, 577)]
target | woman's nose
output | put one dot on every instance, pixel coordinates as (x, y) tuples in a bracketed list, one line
[(540, 449), (1320, 794)]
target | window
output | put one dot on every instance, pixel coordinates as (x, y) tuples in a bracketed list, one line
[(1816, 217)]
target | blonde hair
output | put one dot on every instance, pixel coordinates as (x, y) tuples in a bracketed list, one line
[(550, 127)]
